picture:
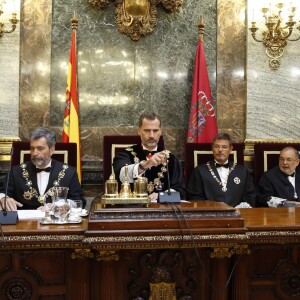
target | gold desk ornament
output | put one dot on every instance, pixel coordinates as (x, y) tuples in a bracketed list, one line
[(140, 187), (140, 195), (125, 191), (137, 18), (111, 187)]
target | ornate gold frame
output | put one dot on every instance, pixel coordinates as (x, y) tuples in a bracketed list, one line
[(137, 18)]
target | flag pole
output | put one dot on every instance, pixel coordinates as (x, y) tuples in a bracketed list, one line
[(74, 22), (71, 131), (201, 29)]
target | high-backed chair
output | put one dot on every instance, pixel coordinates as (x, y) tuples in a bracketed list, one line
[(266, 156), (112, 144), (198, 154), (64, 152)]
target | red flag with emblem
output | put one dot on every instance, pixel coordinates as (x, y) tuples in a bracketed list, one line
[(71, 131), (203, 123)]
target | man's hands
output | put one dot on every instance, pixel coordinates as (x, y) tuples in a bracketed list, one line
[(153, 197), (155, 160), (11, 204)]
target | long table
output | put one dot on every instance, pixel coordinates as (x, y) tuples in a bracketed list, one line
[(205, 250)]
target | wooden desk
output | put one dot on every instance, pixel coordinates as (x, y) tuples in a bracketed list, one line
[(258, 252)]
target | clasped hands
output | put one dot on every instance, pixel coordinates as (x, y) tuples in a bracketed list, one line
[(156, 159)]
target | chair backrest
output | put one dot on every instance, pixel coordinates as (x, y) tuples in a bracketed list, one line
[(266, 156), (198, 154), (64, 152), (112, 144)]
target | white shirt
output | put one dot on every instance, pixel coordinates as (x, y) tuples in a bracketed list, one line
[(42, 180), (291, 179), (223, 173)]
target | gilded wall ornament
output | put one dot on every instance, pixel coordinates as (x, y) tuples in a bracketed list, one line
[(137, 18)]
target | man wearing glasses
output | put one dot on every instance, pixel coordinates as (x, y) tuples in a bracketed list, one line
[(222, 180), (280, 186)]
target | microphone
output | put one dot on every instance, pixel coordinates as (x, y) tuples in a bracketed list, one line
[(8, 217), (168, 197)]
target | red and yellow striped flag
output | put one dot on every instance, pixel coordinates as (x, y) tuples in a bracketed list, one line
[(71, 131)]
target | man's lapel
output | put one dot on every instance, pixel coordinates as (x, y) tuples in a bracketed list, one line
[(32, 175)]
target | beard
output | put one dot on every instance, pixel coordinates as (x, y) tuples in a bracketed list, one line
[(150, 143), (39, 161)]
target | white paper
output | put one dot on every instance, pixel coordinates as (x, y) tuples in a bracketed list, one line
[(30, 214)]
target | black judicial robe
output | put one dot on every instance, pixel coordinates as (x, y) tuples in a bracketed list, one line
[(275, 183), (203, 186), (22, 184), (175, 171)]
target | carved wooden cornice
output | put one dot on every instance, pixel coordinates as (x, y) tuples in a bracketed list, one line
[(84, 246)]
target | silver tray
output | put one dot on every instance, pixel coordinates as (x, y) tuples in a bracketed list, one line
[(72, 220), (113, 201)]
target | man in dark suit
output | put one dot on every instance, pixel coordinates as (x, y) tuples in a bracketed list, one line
[(280, 186), (222, 180), (148, 160), (30, 183)]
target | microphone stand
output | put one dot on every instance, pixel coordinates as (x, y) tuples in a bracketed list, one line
[(8, 217), (168, 197)]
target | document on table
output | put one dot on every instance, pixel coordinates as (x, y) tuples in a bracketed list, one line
[(30, 214)]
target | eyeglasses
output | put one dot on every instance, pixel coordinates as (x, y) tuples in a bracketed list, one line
[(288, 160)]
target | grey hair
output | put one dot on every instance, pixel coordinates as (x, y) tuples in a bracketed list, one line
[(46, 133), (291, 148)]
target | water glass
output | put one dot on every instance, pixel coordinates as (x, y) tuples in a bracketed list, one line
[(76, 207)]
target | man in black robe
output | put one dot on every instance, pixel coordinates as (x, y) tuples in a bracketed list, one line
[(148, 160), (30, 183), (222, 180), (280, 186)]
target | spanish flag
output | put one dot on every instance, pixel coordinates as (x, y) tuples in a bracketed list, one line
[(71, 131)]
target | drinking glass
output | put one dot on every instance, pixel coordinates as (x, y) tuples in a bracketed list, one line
[(76, 207)]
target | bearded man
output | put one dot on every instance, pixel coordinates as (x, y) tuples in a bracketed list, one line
[(148, 159), (31, 182)]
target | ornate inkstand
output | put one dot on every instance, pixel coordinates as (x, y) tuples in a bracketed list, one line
[(126, 196)]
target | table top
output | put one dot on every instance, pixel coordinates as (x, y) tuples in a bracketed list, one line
[(254, 219), (266, 218)]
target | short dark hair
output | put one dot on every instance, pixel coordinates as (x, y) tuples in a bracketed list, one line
[(149, 116), (291, 148), (223, 136), (46, 133)]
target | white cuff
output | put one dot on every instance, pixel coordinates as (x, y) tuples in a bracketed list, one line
[(243, 205), (275, 201)]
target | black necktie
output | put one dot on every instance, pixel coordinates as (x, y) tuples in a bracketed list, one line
[(292, 175), (225, 165), (48, 169)]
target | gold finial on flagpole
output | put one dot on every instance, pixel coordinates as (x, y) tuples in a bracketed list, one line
[(201, 29), (74, 22)]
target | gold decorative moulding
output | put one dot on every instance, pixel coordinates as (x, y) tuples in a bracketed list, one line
[(13, 20), (137, 18)]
